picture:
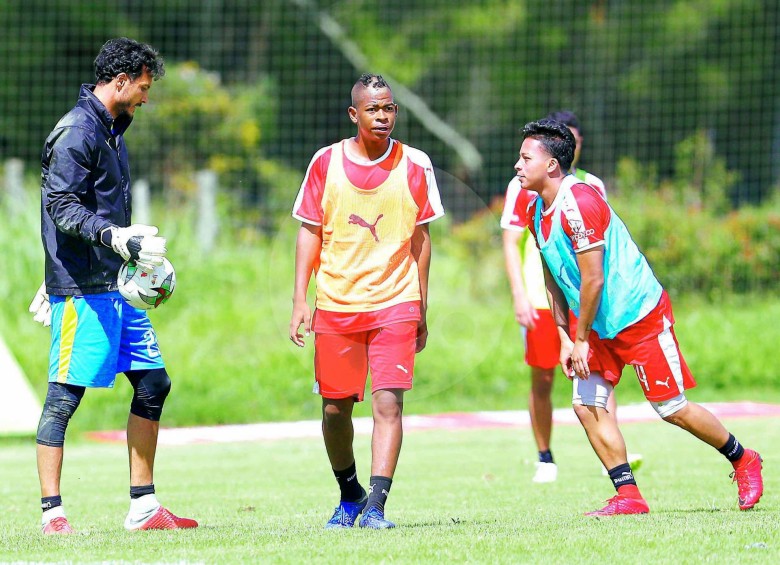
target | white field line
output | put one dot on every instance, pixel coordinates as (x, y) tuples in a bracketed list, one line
[(474, 420)]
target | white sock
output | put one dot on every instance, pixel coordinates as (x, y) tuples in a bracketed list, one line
[(141, 509), (143, 506), (51, 514)]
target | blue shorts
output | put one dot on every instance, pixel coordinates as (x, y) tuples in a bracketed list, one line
[(96, 336)]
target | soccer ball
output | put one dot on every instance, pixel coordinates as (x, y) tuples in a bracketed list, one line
[(146, 291)]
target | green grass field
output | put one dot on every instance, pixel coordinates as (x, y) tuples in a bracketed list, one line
[(458, 496), (224, 333)]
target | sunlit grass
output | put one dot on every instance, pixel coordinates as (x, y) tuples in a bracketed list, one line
[(458, 496)]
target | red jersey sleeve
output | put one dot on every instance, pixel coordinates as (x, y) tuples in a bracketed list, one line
[(422, 184), (585, 217), (514, 217), (530, 212), (308, 203)]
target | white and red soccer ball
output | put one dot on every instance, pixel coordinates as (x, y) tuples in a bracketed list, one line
[(143, 290)]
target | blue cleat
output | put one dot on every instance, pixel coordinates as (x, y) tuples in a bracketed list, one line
[(374, 519), (346, 513)]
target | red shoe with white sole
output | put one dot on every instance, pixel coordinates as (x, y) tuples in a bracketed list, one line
[(163, 519)]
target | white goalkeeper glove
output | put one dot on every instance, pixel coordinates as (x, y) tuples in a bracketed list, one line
[(139, 243), (40, 307)]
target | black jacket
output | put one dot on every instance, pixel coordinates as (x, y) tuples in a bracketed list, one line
[(85, 188)]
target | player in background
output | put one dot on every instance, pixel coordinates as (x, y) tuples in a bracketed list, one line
[(86, 234), (532, 312), (364, 206), (593, 267), (570, 120)]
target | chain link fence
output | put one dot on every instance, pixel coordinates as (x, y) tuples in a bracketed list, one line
[(677, 93)]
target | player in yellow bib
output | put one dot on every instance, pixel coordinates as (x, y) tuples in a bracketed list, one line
[(364, 207)]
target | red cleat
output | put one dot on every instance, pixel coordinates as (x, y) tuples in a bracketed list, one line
[(163, 519), (57, 526), (747, 475), (619, 504)]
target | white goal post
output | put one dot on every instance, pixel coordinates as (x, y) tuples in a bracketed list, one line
[(20, 409)]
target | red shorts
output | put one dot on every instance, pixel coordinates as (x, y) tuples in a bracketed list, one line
[(542, 344), (342, 361), (651, 347)]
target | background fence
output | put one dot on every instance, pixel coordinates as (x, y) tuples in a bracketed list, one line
[(680, 93), (680, 108)]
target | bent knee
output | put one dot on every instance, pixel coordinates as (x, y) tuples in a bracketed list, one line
[(61, 403), (388, 411), (335, 412), (151, 390), (580, 410), (593, 391), (673, 410)]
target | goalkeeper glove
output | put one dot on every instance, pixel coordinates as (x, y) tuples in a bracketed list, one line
[(40, 307), (139, 243)]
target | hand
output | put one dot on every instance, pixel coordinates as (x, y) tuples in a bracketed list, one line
[(422, 336), (301, 314), (40, 306), (525, 313), (567, 345), (139, 243), (579, 359)]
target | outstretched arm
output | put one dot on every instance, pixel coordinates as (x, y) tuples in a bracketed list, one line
[(307, 253), (525, 313), (421, 251)]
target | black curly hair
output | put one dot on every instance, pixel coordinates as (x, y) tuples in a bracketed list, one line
[(556, 138), (372, 80), (368, 80), (567, 118), (124, 55)]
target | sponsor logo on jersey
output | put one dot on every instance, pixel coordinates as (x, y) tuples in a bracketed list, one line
[(579, 234)]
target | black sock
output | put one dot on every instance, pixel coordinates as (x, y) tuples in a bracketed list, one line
[(733, 450), (378, 491), (49, 502), (138, 492), (622, 475), (546, 457), (351, 491)]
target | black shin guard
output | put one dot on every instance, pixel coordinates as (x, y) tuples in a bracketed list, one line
[(61, 403), (151, 387)]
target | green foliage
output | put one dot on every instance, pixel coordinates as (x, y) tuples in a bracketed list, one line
[(476, 242), (224, 332), (232, 124), (693, 250), (459, 496), (700, 176), (260, 81), (31, 50), (684, 226)]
